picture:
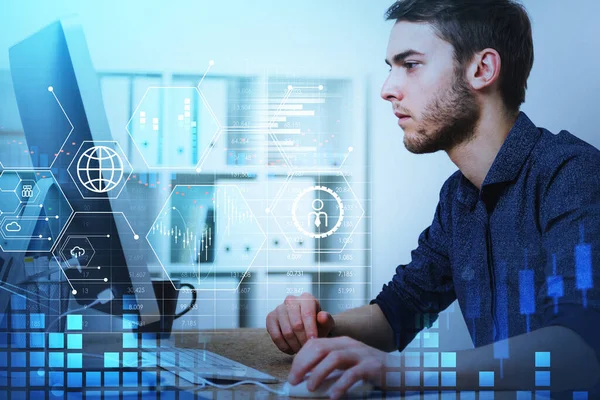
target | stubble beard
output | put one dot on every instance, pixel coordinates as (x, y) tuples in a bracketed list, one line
[(449, 120)]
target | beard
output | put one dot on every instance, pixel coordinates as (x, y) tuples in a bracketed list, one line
[(448, 120)]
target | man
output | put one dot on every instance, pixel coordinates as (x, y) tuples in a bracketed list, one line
[(516, 234)]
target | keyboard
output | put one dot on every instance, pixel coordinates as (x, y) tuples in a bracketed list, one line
[(196, 365)]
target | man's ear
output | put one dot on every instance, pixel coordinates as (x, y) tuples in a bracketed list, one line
[(484, 69)]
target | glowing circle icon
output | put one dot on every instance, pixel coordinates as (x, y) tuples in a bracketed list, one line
[(100, 169), (318, 219)]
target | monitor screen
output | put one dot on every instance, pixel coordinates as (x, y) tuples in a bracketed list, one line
[(68, 137)]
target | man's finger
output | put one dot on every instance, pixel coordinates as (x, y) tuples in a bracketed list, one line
[(312, 354), (276, 335), (296, 321), (348, 378), (325, 323), (308, 311), (286, 329), (337, 359)]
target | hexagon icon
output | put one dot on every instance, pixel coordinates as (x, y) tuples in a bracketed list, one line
[(100, 169), (47, 120), (204, 229), (34, 213), (317, 214), (27, 191), (76, 252), (10, 201), (9, 181), (102, 235), (173, 128)]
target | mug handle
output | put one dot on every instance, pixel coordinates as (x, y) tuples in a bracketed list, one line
[(192, 303)]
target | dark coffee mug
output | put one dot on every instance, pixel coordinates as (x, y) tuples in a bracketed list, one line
[(166, 293)]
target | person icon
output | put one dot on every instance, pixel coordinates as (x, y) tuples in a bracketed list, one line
[(27, 191), (317, 205)]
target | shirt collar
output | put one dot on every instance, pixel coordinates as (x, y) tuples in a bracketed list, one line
[(508, 162)]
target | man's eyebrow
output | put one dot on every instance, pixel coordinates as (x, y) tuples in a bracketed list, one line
[(400, 57)]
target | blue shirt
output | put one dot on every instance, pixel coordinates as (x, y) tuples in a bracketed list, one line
[(520, 254)]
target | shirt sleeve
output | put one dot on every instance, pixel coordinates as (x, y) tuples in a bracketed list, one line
[(420, 290), (570, 224)]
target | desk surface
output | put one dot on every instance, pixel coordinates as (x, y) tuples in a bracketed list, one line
[(251, 347), (254, 348)]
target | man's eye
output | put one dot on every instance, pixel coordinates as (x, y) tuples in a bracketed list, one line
[(407, 65)]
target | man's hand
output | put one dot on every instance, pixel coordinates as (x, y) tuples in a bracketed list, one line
[(295, 321), (322, 356)]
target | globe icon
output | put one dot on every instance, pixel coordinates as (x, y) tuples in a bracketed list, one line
[(100, 169)]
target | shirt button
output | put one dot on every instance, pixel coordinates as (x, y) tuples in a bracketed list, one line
[(468, 274)]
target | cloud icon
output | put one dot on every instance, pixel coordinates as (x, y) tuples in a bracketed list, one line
[(12, 227), (77, 251)]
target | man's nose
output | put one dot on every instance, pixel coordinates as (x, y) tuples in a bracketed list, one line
[(391, 89)]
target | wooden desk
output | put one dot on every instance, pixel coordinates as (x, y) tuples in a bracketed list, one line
[(251, 347), (254, 348)]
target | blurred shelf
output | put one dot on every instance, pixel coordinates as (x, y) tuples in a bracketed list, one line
[(254, 172), (177, 270)]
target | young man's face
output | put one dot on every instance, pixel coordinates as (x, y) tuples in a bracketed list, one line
[(431, 98)]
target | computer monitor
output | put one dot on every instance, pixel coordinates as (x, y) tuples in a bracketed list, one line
[(57, 58)]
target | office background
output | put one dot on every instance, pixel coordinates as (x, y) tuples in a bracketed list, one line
[(343, 40)]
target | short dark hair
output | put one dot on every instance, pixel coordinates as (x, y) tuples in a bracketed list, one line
[(473, 25)]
